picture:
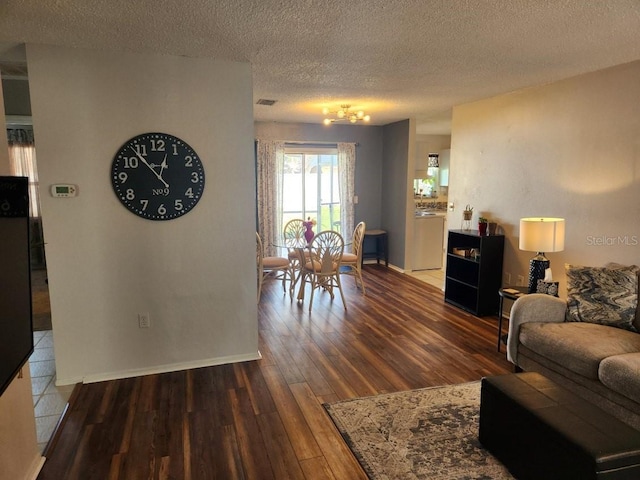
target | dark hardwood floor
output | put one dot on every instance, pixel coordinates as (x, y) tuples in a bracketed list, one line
[(264, 419)]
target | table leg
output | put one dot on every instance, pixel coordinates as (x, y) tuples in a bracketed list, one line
[(385, 249), (300, 275), (301, 289)]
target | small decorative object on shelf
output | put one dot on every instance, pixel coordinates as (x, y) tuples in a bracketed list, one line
[(482, 225), (466, 217), (308, 233)]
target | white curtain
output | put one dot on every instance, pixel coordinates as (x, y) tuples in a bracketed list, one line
[(22, 163), (270, 172), (347, 176)]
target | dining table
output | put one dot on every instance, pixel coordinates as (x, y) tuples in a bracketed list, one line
[(300, 249)]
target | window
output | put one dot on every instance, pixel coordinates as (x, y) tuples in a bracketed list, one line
[(311, 186), (319, 182)]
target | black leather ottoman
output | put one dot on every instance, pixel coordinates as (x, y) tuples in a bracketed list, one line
[(540, 430)]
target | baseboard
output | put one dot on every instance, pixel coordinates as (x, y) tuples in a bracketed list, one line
[(174, 367)]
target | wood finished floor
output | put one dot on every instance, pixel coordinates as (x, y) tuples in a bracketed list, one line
[(264, 419)]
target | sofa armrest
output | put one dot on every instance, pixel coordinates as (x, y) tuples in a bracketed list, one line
[(536, 307)]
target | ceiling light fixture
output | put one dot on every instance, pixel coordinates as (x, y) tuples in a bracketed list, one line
[(344, 114)]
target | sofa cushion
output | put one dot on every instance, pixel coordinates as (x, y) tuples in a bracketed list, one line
[(608, 296), (579, 347), (620, 374)]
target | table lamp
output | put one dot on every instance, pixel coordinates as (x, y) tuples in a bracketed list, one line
[(540, 235)]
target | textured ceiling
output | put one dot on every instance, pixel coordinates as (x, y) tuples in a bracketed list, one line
[(395, 59)]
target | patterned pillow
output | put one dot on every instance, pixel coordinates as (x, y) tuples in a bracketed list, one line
[(608, 296), (636, 269), (550, 288)]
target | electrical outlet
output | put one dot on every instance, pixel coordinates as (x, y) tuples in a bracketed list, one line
[(143, 320), (520, 281), (507, 278)]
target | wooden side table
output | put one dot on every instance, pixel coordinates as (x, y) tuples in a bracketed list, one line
[(510, 293), (382, 246)]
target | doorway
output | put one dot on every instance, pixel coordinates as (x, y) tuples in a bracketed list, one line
[(49, 400)]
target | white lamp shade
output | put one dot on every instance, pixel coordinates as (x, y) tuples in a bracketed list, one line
[(542, 234)]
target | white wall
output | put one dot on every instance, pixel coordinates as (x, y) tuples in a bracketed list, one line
[(194, 275), (569, 149)]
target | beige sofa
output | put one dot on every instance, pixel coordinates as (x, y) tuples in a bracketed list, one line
[(598, 362)]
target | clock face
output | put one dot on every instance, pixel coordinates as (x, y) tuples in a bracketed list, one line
[(157, 176)]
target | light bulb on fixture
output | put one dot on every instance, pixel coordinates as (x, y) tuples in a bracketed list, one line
[(344, 114)]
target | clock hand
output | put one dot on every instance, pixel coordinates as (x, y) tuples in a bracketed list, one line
[(163, 165), (150, 167)]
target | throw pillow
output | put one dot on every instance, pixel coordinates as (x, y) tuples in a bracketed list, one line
[(635, 268), (550, 288), (608, 296)]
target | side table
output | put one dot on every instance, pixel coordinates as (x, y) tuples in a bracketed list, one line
[(510, 293), (382, 246)]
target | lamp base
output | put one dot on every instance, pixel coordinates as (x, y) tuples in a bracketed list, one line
[(537, 267)]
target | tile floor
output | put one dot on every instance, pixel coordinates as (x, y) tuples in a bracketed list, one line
[(49, 401), (432, 277)]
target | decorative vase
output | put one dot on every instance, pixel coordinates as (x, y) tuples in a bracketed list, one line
[(308, 233), (466, 219), (482, 228)]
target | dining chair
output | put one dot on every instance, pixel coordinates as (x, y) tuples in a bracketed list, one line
[(296, 245), (353, 261), (322, 268), (276, 267)]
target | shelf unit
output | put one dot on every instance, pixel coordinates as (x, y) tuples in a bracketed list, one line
[(474, 271)]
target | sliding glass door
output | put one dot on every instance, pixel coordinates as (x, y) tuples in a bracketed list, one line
[(311, 187)]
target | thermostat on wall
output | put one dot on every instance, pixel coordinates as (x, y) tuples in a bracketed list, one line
[(64, 190)]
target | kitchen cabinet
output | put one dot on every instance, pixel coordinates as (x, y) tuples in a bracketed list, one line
[(474, 271)]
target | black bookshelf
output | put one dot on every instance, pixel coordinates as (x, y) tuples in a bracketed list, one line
[(474, 271)]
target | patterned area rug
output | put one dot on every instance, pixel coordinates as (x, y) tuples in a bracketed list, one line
[(431, 433)]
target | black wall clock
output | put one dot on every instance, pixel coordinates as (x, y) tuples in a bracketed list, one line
[(157, 176)]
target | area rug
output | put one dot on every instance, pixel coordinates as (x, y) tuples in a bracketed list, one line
[(431, 433)]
